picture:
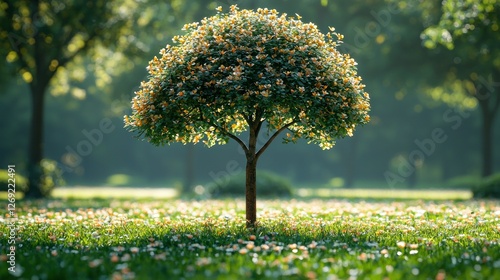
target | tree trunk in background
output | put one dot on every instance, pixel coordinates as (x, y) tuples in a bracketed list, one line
[(36, 144), (41, 78), (489, 104)]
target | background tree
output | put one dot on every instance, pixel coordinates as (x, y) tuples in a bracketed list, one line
[(243, 71), (470, 31), (41, 38)]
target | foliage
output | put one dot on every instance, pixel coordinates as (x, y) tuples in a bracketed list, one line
[(319, 239), (51, 176), (86, 54), (250, 66), (463, 182), (60, 29), (461, 18), (268, 185), (469, 29), (488, 188), (21, 181), (120, 180), (64, 31)]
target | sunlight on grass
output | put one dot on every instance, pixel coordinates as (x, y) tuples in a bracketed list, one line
[(114, 192), (386, 194)]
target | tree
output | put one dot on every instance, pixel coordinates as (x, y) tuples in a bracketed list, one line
[(245, 70), (42, 38), (469, 29)]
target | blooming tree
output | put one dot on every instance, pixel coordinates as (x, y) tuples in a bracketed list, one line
[(250, 71)]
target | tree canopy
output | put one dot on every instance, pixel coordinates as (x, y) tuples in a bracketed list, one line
[(245, 67)]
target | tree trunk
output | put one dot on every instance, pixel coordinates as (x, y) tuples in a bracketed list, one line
[(36, 144), (251, 176), (251, 169), (251, 192), (40, 81), (489, 104)]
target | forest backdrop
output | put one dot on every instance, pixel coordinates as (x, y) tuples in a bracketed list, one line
[(432, 70)]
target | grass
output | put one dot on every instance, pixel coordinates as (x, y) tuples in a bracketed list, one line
[(297, 239)]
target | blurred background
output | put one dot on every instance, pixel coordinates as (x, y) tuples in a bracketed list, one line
[(433, 79)]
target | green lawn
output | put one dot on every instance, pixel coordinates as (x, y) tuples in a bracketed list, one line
[(297, 239)]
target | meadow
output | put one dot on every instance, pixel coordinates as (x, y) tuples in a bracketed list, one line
[(308, 238)]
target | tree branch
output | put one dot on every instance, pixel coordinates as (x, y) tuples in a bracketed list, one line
[(228, 134), (273, 137), (258, 116), (232, 136)]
